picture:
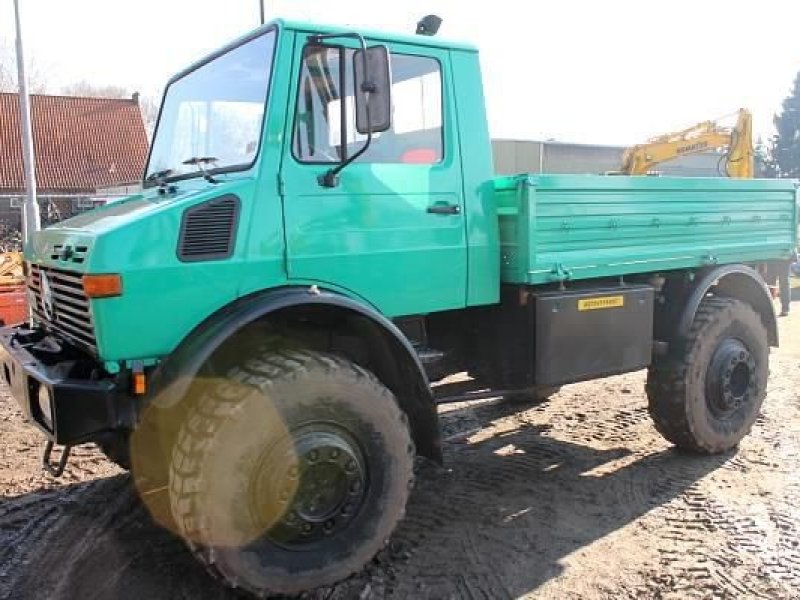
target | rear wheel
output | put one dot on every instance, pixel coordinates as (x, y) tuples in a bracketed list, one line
[(707, 400), (291, 472)]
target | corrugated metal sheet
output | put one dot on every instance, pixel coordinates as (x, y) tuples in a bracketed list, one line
[(555, 227)]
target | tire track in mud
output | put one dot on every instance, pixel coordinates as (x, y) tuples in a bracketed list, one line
[(45, 521), (711, 549), (100, 543), (531, 486), (737, 534), (714, 550), (693, 562), (526, 491), (578, 497)]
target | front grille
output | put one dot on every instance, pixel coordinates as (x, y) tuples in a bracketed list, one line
[(70, 315)]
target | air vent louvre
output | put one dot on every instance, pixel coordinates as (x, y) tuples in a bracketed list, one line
[(208, 230)]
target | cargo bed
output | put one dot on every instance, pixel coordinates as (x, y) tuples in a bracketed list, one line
[(562, 227)]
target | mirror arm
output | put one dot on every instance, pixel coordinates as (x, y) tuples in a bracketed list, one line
[(330, 178)]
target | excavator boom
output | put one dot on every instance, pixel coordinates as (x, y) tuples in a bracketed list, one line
[(705, 136)]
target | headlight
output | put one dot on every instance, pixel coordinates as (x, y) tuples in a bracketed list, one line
[(45, 405)]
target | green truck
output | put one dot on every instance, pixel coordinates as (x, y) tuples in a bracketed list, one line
[(320, 239)]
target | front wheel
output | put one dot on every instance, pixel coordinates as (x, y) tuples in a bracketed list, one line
[(291, 472), (707, 400)]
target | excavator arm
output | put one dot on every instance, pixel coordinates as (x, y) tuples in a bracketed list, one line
[(708, 135)]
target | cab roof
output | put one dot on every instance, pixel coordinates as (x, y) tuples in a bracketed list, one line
[(312, 28), (383, 36)]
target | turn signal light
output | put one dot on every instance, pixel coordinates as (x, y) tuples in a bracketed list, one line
[(139, 384), (102, 286)]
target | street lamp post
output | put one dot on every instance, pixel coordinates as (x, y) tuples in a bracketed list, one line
[(30, 213)]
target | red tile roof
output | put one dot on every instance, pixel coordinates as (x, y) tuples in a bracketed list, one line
[(80, 143)]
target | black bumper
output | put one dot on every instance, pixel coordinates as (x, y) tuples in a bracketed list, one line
[(82, 409)]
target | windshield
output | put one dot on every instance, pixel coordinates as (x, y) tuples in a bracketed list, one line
[(215, 111)]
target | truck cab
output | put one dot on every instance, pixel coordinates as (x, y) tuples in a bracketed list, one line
[(412, 209)]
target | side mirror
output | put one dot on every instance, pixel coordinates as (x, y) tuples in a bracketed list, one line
[(373, 90)]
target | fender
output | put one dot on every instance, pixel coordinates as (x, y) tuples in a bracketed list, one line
[(733, 281), (409, 382)]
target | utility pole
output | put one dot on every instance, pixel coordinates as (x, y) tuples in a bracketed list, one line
[(30, 213), (261, 7)]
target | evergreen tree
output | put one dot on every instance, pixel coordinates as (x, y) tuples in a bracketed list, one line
[(764, 166), (786, 144)]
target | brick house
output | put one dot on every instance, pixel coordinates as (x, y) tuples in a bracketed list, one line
[(81, 145)]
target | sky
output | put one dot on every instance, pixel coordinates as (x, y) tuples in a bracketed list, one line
[(587, 71)]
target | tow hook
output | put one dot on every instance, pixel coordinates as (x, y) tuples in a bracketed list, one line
[(56, 470)]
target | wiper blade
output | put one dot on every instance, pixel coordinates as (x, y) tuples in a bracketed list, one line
[(159, 177), (200, 162)]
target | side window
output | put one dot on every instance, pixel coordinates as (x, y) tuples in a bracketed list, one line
[(321, 123), (317, 125), (416, 133)]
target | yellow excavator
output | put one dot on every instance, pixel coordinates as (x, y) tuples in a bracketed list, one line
[(708, 135)]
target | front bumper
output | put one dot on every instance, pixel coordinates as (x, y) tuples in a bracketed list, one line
[(81, 409)]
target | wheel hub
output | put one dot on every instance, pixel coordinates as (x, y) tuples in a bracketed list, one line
[(314, 484), (731, 378)]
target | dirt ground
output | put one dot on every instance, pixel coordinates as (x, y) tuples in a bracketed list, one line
[(576, 498)]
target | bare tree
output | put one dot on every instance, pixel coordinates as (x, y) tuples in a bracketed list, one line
[(90, 90), (37, 82), (148, 105), (8, 71), (7, 79)]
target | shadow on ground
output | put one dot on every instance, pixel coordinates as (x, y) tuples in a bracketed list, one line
[(496, 522)]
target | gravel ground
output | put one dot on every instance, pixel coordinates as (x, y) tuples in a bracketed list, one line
[(576, 498)]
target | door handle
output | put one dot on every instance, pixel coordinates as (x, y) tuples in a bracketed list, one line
[(444, 209)]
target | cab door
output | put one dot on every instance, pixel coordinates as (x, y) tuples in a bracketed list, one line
[(392, 232)]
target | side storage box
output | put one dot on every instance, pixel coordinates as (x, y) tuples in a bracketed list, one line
[(592, 333)]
